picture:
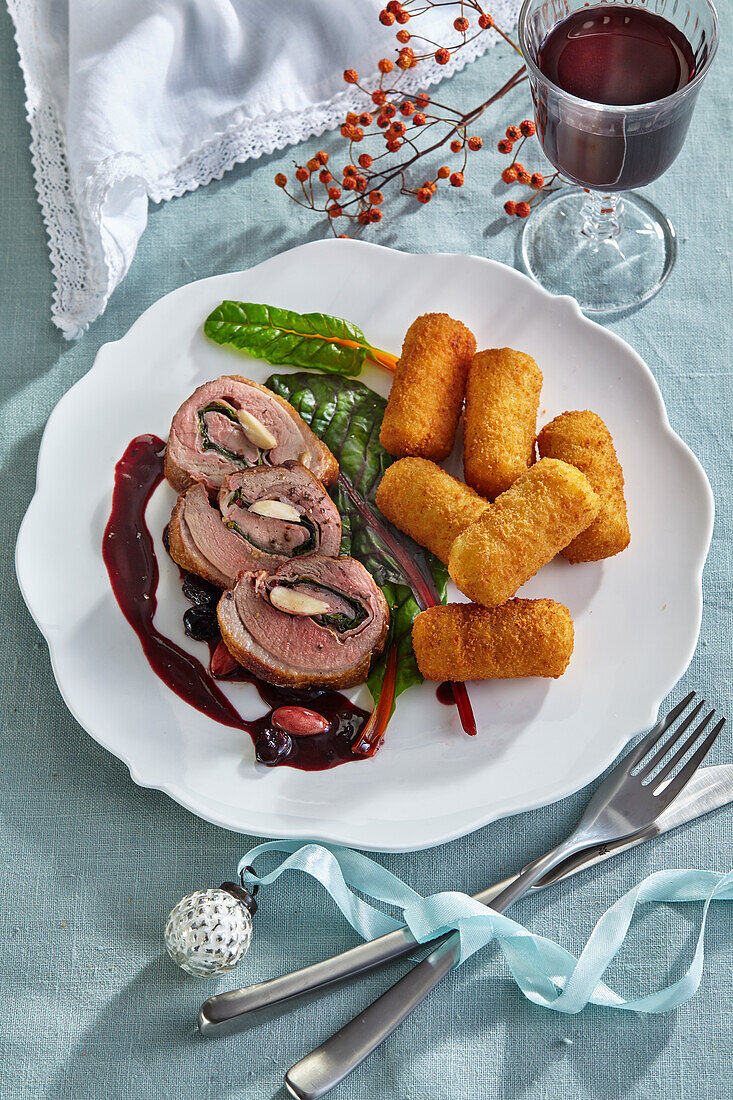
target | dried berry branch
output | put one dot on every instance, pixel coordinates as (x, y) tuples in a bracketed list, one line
[(396, 128)]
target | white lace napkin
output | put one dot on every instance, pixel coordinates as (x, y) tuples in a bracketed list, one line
[(132, 100)]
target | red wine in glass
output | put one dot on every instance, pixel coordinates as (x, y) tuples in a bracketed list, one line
[(619, 56), (614, 87)]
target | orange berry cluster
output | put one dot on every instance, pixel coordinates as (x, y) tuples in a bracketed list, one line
[(351, 180), (395, 119), (425, 193), (517, 173), (514, 134), (356, 193), (396, 12), (393, 13)]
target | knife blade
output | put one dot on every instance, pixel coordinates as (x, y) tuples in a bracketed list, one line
[(709, 789)]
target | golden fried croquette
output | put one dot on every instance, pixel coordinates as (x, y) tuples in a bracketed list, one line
[(583, 440), (500, 419), (462, 641), (428, 504), (428, 388), (522, 530)]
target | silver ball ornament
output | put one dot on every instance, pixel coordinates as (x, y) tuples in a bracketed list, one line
[(210, 931)]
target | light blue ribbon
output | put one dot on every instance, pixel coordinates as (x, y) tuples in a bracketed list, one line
[(545, 972)]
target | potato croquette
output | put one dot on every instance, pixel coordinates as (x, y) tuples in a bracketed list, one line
[(500, 419), (462, 641), (428, 388), (428, 504), (583, 440), (521, 531)]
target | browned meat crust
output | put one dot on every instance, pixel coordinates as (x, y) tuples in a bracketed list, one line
[(278, 647), (317, 456), (184, 551)]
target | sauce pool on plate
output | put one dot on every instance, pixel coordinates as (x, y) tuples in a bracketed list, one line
[(131, 562)]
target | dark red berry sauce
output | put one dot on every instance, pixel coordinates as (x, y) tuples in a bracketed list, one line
[(444, 693), (132, 566)]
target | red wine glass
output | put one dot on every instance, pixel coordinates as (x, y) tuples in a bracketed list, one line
[(614, 85)]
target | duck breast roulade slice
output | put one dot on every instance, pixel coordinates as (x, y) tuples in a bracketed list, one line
[(232, 423), (314, 622), (265, 515)]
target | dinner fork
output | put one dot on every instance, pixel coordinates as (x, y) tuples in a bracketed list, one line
[(638, 789)]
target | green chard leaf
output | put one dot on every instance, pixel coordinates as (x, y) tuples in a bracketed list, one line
[(283, 337), (347, 416)]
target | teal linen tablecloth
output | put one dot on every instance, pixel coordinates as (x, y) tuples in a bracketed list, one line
[(91, 1008)]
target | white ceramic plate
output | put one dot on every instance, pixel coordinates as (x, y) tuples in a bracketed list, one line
[(636, 617)]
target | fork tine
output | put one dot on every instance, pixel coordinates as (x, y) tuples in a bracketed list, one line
[(674, 787), (647, 743), (682, 751), (662, 751)]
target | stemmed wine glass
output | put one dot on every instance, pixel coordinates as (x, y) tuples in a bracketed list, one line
[(606, 247)]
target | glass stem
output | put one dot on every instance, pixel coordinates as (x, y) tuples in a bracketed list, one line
[(601, 216)]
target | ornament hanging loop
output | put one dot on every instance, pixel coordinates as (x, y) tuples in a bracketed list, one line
[(253, 887), (242, 893)]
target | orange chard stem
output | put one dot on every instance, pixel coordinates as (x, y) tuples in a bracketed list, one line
[(381, 358)]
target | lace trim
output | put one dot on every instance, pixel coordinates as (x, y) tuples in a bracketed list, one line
[(77, 266), (85, 262)]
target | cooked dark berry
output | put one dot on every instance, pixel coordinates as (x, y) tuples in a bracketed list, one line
[(272, 746), (200, 623), (167, 537), (200, 592)]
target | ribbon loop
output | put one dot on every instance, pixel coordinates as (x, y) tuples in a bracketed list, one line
[(546, 973)]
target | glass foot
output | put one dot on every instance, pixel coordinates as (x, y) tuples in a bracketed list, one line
[(609, 252)]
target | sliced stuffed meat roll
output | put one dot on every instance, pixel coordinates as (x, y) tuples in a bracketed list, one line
[(232, 423), (265, 515), (315, 622)]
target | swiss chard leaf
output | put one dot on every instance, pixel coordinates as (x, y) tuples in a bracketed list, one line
[(283, 337), (347, 416)]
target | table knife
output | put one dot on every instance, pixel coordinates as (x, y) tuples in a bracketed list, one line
[(709, 789)]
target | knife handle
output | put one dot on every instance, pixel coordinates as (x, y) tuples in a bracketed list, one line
[(228, 1012)]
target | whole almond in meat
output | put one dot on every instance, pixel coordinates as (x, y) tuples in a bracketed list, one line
[(275, 509), (255, 430), (296, 603)]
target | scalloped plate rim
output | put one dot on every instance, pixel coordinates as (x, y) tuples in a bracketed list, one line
[(180, 795)]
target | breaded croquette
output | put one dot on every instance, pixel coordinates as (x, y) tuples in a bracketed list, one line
[(522, 530), (428, 504), (462, 641), (428, 388), (583, 440), (500, 419)]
